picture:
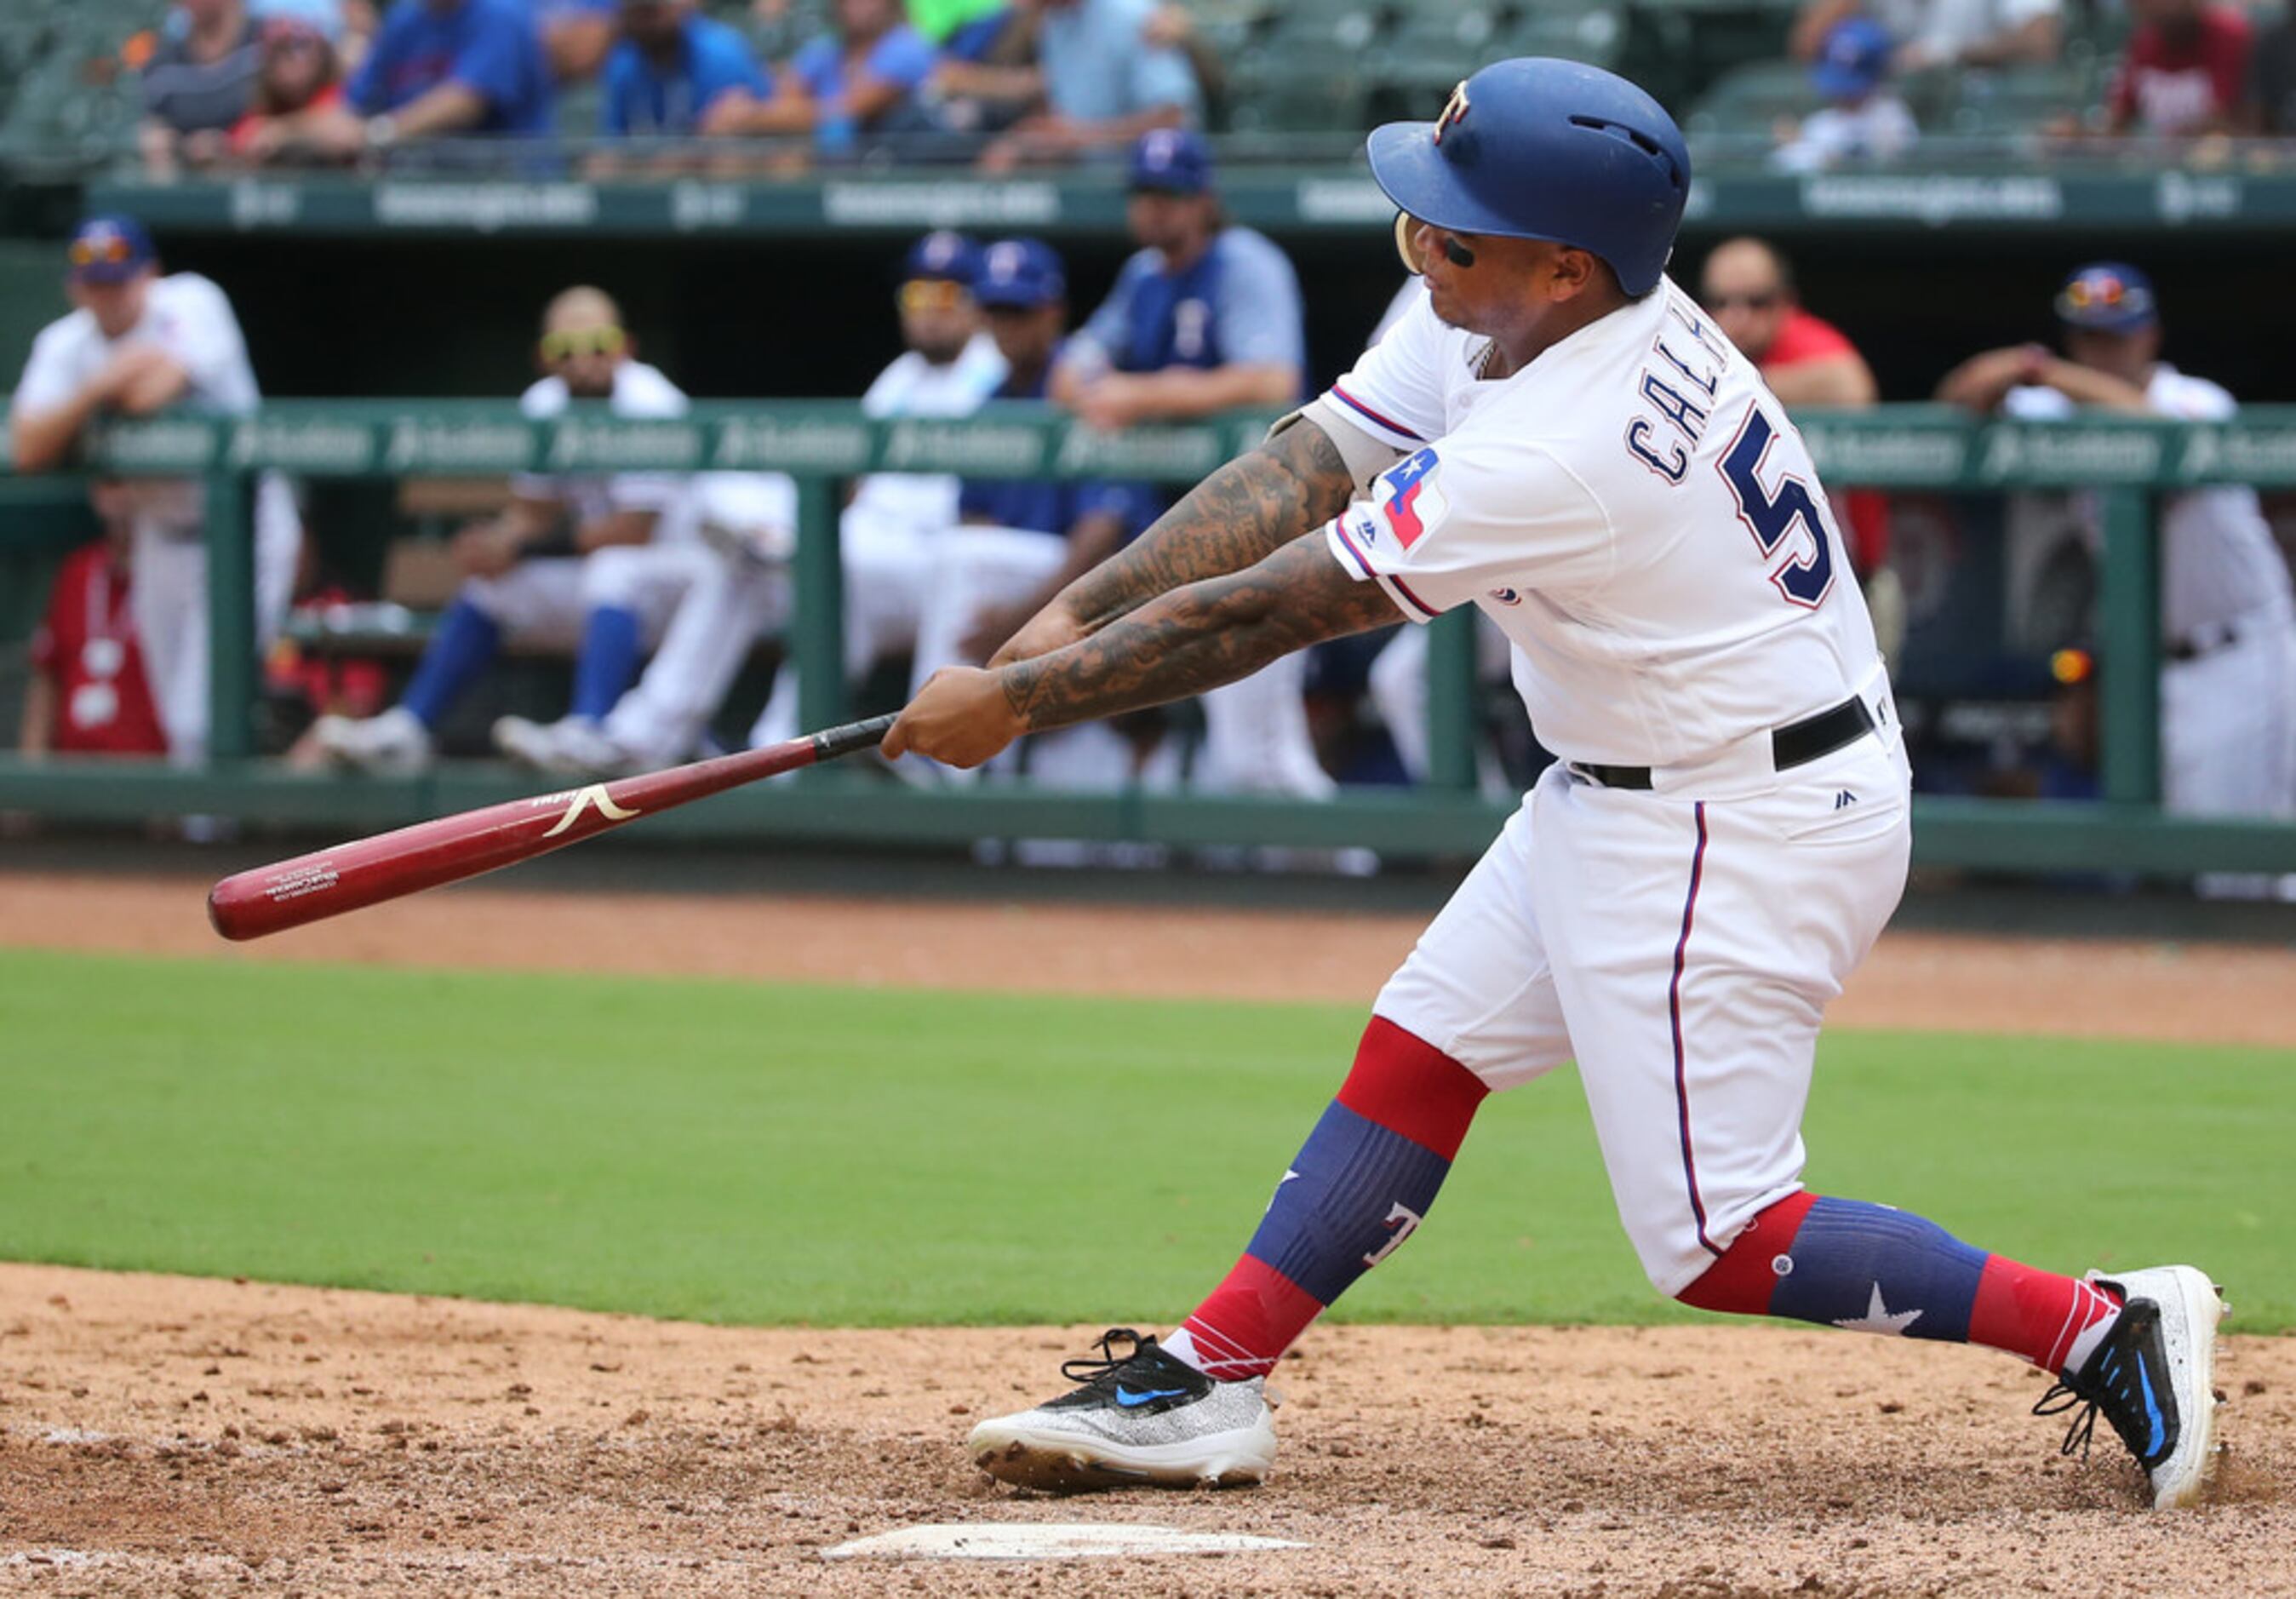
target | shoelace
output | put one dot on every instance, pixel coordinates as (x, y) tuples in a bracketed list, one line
[(1085, 1370), (2063, 1396)]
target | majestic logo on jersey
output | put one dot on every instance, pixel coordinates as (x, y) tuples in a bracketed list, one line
[(1454, 111), (1409, 497), (582, 799), (1506, 597)]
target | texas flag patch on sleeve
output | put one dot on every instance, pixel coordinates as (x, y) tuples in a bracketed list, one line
[(1407, 498)]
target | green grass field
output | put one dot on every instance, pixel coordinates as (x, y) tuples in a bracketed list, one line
[(751, 1153)]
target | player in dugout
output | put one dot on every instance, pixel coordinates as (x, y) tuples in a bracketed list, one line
[(1204, 317), (1018, 542), (2227, 612)]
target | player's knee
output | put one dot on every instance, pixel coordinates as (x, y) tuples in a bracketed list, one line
[(611, 577)]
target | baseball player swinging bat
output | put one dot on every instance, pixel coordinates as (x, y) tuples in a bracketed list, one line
[(390, 866)]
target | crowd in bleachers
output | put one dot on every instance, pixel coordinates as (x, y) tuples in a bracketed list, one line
[(778, 85), (319, 82)]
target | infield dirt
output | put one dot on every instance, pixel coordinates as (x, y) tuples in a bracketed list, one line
[(164, 1435)]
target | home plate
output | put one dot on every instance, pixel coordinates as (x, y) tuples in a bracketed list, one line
[(1045, 1541)]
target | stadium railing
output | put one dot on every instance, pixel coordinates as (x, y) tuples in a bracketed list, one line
[(2126, 461)]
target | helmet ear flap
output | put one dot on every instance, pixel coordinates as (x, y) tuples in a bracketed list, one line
[(1403, 243)]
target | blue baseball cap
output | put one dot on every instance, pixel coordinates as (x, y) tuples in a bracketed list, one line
[(1172, 160), (1852, 60), (1023, 274), (942, 253), (2107, 297), (108, 249)]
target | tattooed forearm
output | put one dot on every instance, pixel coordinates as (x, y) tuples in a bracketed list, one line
[(1199, 637), (1289, 486)]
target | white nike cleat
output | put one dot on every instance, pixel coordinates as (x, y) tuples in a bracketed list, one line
[(1141, 1419), (2153, 1378), (394, 744)]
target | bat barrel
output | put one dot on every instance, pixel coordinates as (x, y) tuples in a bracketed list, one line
[(349, 877)]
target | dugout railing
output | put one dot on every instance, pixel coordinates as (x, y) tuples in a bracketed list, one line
[(2127, 463)]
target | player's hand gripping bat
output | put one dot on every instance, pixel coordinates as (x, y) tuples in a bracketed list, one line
[(349, 877)]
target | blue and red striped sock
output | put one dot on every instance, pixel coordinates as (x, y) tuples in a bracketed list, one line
[(1360, 1185), (1845, 1263)]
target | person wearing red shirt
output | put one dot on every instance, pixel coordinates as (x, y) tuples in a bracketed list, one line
[(1749, 288), (299, 86), (2186, 72), (87, 694)]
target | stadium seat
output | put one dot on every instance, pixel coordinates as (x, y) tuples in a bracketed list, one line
[(1749, 99), (1308, 74), (2012, 100)]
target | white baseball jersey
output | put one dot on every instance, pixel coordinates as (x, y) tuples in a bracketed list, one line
[(186, 315), (1635, 512), (913, 386), (640, 390), (2218, 562)]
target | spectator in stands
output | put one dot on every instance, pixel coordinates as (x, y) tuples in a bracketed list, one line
[(671, 68), (576, 36), (861, 79), (136, 344), (1106, 83), (2185, 70), (1863, 120), (1944, 33), (2271, 104), (1205, 318), (87, 694), (567, 560), (1020, 541), (198, 82), (1749, 288), (885, 536), (987, 78), (298, 87), (443, 68), (2227, 614)]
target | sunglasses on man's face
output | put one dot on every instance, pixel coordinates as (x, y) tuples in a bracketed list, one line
[(107, 251), (574, 343), (931, 294), (1767, 301)]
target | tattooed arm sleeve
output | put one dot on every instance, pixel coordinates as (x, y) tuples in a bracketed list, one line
[(1290, 485), (1198, 637)]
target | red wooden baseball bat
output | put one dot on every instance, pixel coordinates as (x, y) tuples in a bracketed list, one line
[(389, 865)]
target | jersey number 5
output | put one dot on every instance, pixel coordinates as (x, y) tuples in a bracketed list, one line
[(1771, 515)]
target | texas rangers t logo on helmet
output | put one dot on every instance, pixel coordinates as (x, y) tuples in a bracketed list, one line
[(1455, 110)]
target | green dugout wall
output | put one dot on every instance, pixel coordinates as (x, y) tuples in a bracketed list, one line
[(2129, 462)]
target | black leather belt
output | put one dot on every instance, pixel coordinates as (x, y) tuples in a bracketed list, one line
[(1798, 744)]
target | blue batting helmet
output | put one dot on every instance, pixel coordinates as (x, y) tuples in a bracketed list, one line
[(1536, 147)]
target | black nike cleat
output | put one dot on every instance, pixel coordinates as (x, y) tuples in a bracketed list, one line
[(2151, 1379)]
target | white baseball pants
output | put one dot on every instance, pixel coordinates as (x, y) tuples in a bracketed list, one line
[(1682, 948), (169, 600), (2228, 738)]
